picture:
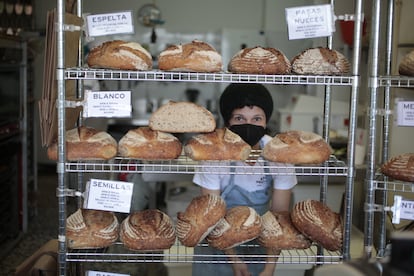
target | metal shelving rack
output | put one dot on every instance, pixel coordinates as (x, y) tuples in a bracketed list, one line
[(380, 85), (314, 255)]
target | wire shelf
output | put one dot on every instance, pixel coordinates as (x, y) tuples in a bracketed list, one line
[(396, 81), (396, 186), (155, 75), (117, 253), (184, 165)]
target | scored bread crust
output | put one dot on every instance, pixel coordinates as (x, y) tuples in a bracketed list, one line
[(297, 147), (118, 54), (88, 228), (278, 232), (241, 224), (196, 56), (199, 219), (406, 66), (145, 143), (86, 143), (320, 61), (259, 60), (400, 167), (149, 229), (319, 223), (221, 144), (182, 117)]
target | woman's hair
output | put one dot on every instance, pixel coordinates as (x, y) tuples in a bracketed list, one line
[(239, 95)]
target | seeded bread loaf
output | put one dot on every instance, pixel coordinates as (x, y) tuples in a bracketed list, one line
[(400, 167)]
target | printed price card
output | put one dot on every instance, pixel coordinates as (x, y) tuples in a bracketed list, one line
[(99, 273), (109, 195), (405, 113), (309, 21), (110, 23), (402, 209), (107, 104)]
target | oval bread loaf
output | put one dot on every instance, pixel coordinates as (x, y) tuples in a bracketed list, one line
[(400, 167), (297, 147), (259, 60), (88, 228), (320, 61), (149, 229), (196, 56), (145, 143), (406, 66), (118, 54)]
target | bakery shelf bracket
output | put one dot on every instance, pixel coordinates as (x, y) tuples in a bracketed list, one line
[(68, 192)]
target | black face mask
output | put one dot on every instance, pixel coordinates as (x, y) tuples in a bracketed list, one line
[(251, 134)]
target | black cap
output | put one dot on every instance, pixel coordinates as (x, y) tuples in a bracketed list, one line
[(239, 95)]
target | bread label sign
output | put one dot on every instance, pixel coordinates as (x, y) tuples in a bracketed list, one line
[(402, 209), (405, 114), (109, 23), (99, 273), (309, 21), (107, 104), (108, 195)]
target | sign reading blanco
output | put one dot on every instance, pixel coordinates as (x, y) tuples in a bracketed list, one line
[(109, 195), (309, 21), (107, 104), (405, 116), (110, 23)]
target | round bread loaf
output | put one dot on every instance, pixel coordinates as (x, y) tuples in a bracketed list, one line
[(145, 143), (200, 217), (400, 167), (259, 60), (297, 147), (241, 224), (196, 56), (182, 117), (86, 143), (406, 66), (278, 232), (118, 54), (88, 228), (319, 223), (221, 144), (147, 230), (320, 61)]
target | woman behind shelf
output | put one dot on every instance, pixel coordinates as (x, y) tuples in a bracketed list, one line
[(246, 110)]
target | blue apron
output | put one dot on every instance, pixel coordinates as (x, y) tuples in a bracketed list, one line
[(235, 195)]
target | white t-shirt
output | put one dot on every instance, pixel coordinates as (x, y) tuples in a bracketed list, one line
[(219, 175)]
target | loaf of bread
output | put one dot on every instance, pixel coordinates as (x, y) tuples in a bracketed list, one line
[(278, 232), (200, 217), (320, 61), (88, 228), (406, 66), (241, 224), (86, 143), (118, 54), (221, 144), (149, 229), (259, 60), (400, 167), (297, 147), (181, 117), (145, 143), (319, 223), (196, 56)]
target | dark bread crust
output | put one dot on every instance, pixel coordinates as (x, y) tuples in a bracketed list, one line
[(400, 167)]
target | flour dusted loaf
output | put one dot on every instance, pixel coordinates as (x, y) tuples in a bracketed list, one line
[(278, 232), (319, 223), (118, 54), (221, 144), (200, 217), (400, 167), (181, 117), (297, 147), (88, 228), (86, 143), (241, 224), (149, 229), (406, 66), (320, 61), (196, 56), (145, 143), (259, 60)]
